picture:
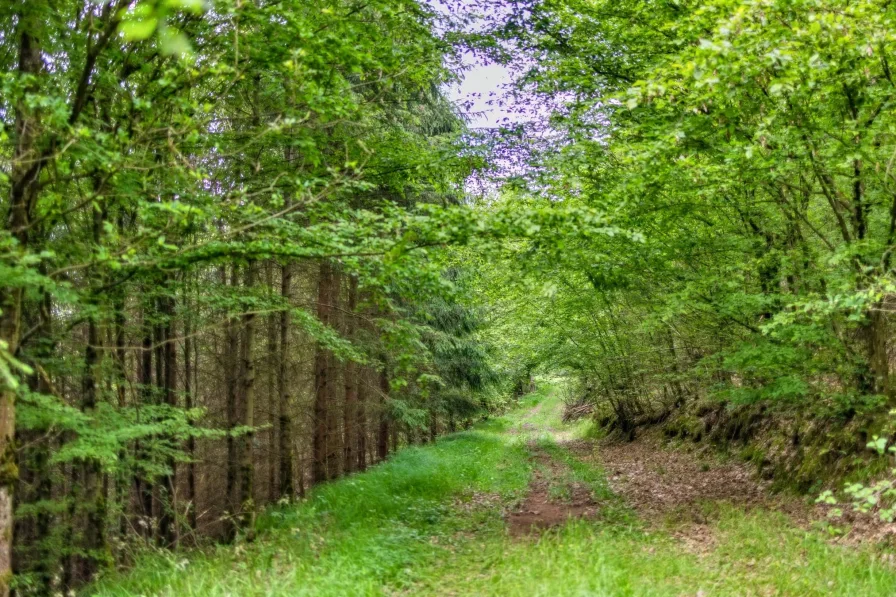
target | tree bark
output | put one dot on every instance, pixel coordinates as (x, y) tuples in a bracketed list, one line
[(168, 533), (122, 483), (23, 181), (143, 486), (382, 439), (287, 483), (36, 482), (322, 381), (349, 413), (188, 403), (89, 505), (247, 371), (361, 422), (231, 352), (335, 394), (874, 335), (272, 406)]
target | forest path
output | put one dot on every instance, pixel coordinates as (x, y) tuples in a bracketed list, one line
[(525, 505), (668, 490), (638, 518), (555, 496)]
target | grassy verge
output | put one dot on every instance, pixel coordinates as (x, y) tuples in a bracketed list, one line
[(430, 522), (355, 536)]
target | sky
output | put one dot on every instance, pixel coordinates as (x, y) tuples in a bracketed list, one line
[(482, 87)]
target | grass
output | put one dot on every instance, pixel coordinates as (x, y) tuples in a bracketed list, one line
[(757, 554), (353, 537), (430, 522)]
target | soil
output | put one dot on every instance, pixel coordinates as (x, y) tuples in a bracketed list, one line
[(671, 489), (659, 482), (539, 511), (676, 489)]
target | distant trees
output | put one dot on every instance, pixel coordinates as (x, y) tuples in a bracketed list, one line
[(211, 258)]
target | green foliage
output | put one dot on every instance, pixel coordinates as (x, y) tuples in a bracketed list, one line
[(706, 213), (878, 498), (743, 146)]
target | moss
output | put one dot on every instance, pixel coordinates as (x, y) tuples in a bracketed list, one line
[(798, 449), (753, 454), (9, 472), (684, 427)]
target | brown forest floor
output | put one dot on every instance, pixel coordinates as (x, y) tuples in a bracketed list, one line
[(670, 488)]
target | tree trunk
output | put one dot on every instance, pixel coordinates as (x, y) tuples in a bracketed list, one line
[(287, 483), (247, 371), (382, 439), (36, 482), (122, 483), (272, 406), (361, 422), (335, 392), (89, 500), (23, 183), (191, 441), (143, 486), (874, 334), (350, 408), (231, 352), (322, 381), (168, 533)]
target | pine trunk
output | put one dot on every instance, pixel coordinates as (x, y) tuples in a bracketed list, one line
[(143, 486), (191, 441), (231, 353), (168, 533), (272, 397), (89, 506), (287, 483), (349, 412), (322, 381), (382, 439), (247, 373), (361, 422)]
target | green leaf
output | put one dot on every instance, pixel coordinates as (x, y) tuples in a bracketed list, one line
[(138, 29), (194, 6), (175, 43)]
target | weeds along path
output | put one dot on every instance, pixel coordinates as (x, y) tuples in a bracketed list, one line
[(522, 505), (558, 492)]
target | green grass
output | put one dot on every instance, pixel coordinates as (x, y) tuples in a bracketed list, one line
[(757, 554), (355, 536), (430, 522)]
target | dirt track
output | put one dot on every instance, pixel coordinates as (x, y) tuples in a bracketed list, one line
[(670, 488), (541, 510)]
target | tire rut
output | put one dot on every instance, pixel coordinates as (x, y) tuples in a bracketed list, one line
[(553, 499)]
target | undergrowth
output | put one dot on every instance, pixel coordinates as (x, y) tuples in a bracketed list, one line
[(431, 522)]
